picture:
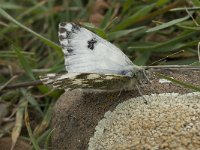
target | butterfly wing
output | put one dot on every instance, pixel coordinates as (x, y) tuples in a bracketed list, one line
[(86, 52), (92, 81)]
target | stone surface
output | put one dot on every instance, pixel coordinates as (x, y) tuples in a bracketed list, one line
[(169, 121), (77, 113)]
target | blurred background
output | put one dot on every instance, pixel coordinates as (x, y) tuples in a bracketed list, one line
[(150, 32)]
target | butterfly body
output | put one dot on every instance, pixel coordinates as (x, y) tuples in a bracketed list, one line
[(92, 62)]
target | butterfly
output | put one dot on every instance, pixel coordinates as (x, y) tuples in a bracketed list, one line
[(92, 62)]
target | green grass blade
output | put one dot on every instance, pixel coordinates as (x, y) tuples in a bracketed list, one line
[(132, 19), (18, 122), (32, 9), (24, 63), (196, 2), (142, 59), (40, 128), (43, 136), (168, 24), (98, 31), (8, 5), (43, 39), (189, 27), (31, 100), (106, 19), (32, 138), (9, 53), (118, 34), (101, 33), (183, 9), (127, 5), (161, 2), (48, 139), (170, 45)]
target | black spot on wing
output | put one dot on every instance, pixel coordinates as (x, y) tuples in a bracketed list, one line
[(70, 50), (62, 24), (62, 30), (61, 38), (69, 35), (75, 27), (91, 43)]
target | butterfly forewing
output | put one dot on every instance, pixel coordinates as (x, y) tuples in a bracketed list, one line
[(86, 52)]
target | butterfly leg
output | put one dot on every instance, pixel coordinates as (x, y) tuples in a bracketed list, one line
[(145, 100), (145, 75), (120, 92)]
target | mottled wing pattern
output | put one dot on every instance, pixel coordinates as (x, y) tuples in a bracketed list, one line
[(70, 81), (86, 52)]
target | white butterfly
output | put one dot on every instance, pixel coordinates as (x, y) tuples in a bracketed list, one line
[(92, 62)]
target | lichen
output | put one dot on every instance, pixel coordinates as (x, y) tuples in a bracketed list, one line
[(168, 121)]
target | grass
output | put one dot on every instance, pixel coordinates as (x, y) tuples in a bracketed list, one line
[(145, 31)]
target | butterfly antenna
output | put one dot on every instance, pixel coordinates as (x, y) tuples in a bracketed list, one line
[(175, 66), (108, 26), (162, 59)]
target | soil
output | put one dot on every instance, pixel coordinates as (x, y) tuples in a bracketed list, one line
[(6, 143), (77, 113)]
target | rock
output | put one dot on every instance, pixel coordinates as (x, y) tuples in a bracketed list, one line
[(76, 113), (169, 121)]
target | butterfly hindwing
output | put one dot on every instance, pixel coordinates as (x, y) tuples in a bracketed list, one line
[(70, 81)]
